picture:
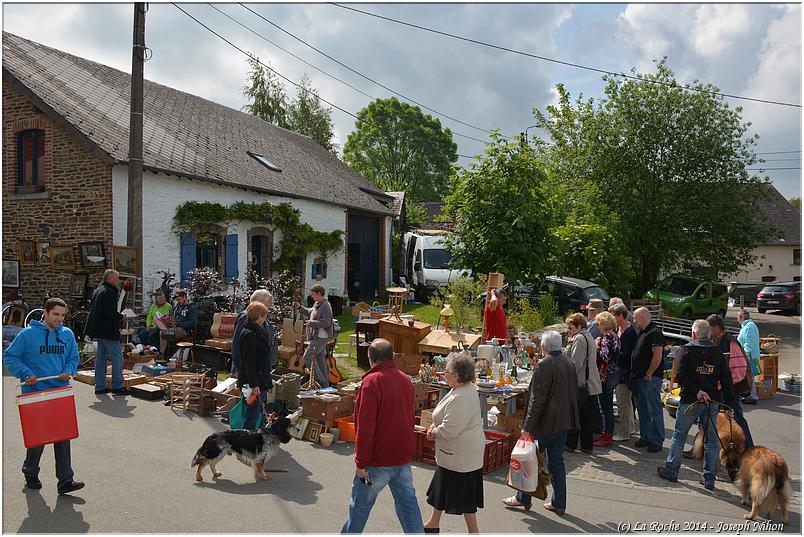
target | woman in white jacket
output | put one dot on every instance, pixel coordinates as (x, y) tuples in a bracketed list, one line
[(583, 353), (457, 486)]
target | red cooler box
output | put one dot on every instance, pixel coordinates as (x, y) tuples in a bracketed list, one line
[(47, 416)]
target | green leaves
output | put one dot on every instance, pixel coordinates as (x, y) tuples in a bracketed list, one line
[(398, 148)]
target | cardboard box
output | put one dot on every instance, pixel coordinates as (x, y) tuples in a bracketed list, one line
[(765, 389), (148, 391), (316, 409)]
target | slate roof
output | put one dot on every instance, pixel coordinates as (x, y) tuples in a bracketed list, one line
[(399, 201), (782, 216), (183, 134)]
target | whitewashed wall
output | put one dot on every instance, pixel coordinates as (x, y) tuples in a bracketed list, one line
[(778, 257), (163, 193)]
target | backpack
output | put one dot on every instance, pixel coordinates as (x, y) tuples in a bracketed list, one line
[(738, 364)]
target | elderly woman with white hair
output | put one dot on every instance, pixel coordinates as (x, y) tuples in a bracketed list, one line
[(552, 413), (457, 485)]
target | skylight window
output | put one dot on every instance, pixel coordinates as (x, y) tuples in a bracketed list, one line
[(265, 162)]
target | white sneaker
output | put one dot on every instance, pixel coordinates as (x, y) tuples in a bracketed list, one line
[(618, 438)]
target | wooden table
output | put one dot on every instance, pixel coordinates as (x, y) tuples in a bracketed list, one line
[(396, 297), (441, 342)]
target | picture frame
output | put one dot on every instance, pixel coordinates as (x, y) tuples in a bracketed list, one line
[(11, 273), (43, 254), (124, 260), (314, 430), (28, 253), (62, 257), (87, 251), (78, 285), (301, 427)]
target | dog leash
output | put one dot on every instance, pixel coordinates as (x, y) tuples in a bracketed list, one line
[(714, 425)]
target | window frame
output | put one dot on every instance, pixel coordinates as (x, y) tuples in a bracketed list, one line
[(37, 183), (214, 246), (794, 257)]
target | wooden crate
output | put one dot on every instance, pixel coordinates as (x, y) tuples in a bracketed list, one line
[(408, 363), (316, 409), (770, 369), (149, 391)]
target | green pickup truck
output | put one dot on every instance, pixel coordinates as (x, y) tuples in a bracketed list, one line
[(690, 298)]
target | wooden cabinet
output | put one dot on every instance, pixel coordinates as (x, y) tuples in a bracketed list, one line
[(404, 338)]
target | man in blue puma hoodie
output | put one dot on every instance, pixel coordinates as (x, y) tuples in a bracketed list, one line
[(46, 349)]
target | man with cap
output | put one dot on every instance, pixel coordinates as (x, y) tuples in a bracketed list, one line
[(594, 307)]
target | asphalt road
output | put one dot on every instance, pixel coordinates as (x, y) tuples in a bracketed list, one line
[(787, 327), (135, 458)]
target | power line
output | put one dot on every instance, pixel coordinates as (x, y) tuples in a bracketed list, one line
[(317, 68), (247, 54), (778, 152), (560, 62), (481, 129), (780, 159), (769, 169)]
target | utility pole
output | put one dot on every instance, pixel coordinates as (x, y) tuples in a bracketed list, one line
[(134, 236)]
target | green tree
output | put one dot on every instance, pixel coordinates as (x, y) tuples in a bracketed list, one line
[(306, 115), (397, 147), (267, 94), (503, 213), (796, 202), (670, 163), (415, 213)]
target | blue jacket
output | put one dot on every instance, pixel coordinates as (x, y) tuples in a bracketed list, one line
[(186, 316), (273, 350), (44, 353), (749, 339)]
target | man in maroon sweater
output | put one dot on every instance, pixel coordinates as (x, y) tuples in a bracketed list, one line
[(384, 442)]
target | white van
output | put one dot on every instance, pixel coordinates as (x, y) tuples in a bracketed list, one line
[(427, 263)]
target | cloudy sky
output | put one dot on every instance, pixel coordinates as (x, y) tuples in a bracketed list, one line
[(751, 50)]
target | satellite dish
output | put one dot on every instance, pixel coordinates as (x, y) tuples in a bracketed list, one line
[(95, 258)]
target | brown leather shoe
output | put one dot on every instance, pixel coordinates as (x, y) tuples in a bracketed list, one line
[(556, 510)]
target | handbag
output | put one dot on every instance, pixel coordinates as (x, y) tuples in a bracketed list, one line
[(583, 390), (237, 416)]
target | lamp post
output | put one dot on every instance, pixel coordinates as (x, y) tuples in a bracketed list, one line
[(526, 132)]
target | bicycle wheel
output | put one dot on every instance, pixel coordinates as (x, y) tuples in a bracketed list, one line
[(35, 314)]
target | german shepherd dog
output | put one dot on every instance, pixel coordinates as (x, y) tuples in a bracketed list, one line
[(252, 448), (732, 444), (763, 480)]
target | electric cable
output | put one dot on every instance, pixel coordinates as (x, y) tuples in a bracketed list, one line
[(560, 62), (300, 40)]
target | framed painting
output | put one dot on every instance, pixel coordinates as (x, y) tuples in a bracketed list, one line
[(28, 254), (11, 273), (313, 431), (44, 254), (124, 260), (91, 255), (78, 285), (62, 257)]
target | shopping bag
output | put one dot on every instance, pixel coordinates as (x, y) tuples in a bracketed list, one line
[(523, 471), (237, 416)]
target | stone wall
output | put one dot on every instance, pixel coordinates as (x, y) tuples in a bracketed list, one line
[(75, 206)]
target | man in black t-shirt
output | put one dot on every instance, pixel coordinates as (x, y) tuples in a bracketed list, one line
[(647, 370)]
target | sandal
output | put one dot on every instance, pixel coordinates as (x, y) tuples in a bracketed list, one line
[(513, 502)]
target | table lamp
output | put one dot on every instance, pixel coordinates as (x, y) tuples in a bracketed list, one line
[(446, 313)]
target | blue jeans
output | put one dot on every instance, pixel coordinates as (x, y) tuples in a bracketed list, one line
[(649, 407), (64, 471), (607, 401), (740, 419), (108, 348), (316, 354), (554, 447), (683, 425), (400, 480), (149, 337), (254, 415)]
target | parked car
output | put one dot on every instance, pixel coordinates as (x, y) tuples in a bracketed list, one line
[(780, 296), (690, 298), (571, 294), (747, 290)]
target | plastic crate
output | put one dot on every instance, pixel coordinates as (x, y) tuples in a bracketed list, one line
[(497, 454)]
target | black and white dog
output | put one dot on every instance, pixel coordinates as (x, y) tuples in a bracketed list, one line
[(252, 448)]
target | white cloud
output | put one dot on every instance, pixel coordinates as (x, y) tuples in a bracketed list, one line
[(718, 26)]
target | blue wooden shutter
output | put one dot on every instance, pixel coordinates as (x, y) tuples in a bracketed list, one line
[(312, 273), (231, 257), (187, 256), (325, 271)]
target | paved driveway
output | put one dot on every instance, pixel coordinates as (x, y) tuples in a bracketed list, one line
[(135, 457)]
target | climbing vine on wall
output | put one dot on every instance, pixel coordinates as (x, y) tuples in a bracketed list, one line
[(298, 239)]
